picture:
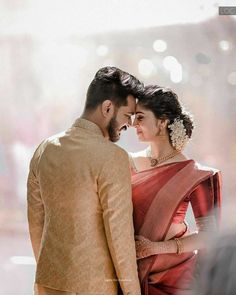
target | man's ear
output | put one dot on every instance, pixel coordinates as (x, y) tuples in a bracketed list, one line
[(107, 108)]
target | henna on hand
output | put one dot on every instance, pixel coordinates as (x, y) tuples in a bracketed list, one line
[(144, 247)]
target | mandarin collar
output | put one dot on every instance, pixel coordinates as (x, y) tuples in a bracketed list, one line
[(89, 125)]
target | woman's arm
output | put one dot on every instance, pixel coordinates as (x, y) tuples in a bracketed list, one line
[(203, 206)]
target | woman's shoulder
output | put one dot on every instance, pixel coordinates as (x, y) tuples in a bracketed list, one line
[(202, 167)]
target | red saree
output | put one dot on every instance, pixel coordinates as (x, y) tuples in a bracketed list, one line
[(160, 197)]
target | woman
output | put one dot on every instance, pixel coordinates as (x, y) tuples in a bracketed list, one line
[(164, 183)]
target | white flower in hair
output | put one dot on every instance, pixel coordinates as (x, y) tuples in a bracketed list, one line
[(178, 135)]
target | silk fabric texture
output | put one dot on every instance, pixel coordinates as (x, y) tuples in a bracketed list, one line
[(159, 198)]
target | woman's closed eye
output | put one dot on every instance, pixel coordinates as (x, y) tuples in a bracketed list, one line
[(140, 118)]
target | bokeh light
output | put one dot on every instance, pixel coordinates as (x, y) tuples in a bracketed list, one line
[(50, 51)]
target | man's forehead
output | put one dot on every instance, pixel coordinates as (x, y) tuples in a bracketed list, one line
[(131, 100), (130, 108), (131, 105)]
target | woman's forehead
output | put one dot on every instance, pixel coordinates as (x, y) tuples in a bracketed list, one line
[(140, 108)]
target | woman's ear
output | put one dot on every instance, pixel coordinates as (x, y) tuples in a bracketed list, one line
[(162, 126), (107, 108), (164, 123)]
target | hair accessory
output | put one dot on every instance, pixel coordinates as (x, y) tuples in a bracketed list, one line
[(178, 134)]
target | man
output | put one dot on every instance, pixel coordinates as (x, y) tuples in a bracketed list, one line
[(79, 197)]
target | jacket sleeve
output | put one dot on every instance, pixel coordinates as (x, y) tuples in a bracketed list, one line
[(35, 206), (114, 186)]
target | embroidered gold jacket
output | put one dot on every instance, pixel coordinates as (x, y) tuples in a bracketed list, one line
[(80, 213)]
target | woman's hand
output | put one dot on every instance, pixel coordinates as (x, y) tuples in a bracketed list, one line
[(144, 247)]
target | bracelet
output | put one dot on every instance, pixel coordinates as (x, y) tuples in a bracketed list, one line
[(179, 246)]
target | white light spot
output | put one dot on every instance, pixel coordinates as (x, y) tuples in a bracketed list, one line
[(224, 45), (23, 260), (170, 62), (145, 67), (159, 45), (232, 78), (176, 74), (102, 50), (174, 67)]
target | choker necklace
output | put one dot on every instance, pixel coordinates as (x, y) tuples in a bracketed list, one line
[(156, 161)]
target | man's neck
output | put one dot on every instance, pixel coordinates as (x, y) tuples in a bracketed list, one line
[(93, 117)]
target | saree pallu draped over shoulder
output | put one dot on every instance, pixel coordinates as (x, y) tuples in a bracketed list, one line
[(163, 189)]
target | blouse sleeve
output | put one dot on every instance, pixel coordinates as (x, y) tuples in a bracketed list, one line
[(202, 203)]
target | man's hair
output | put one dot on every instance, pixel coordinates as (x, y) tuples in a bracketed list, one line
[(113, 84)]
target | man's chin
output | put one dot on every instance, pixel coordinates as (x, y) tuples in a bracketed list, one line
[(115, 138)]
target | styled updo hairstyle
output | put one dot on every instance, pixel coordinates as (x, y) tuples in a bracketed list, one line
[(164, 103)]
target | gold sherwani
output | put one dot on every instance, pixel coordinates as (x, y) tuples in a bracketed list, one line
[(80, 213)]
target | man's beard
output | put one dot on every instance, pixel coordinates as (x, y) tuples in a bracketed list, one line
[(113, 128)]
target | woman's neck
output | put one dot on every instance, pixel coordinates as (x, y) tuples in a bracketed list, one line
[(161, 148)]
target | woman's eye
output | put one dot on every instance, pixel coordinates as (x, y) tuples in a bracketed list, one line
[(139, 118)]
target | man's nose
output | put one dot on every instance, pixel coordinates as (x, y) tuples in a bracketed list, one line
[(134, 122), (129, 122)]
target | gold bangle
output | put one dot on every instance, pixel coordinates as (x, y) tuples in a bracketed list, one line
[(179, 246)]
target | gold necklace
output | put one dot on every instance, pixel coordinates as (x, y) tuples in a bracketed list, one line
[(156, 161)]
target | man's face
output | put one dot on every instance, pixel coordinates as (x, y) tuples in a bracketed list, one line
[(122, 119)]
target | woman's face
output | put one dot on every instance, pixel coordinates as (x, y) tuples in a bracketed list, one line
[(146, 124)]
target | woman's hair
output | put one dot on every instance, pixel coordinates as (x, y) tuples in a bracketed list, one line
[(164, 103)]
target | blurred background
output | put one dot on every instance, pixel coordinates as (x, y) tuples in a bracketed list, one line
[(49, 53)]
